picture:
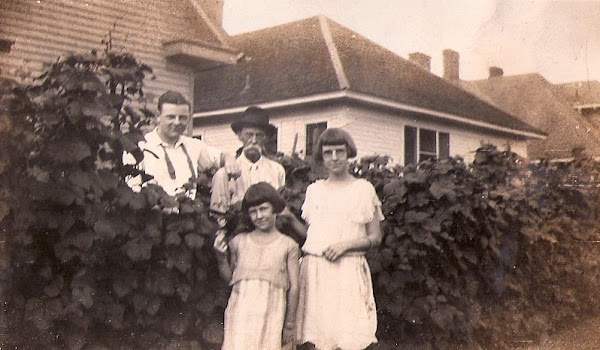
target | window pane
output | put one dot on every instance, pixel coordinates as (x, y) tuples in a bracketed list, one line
[(425, 156), (427, 142), (410, 145), (444, 151), (313, 131), (271, 145)]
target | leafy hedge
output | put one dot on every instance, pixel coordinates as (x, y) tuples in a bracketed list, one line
[(491, 252)]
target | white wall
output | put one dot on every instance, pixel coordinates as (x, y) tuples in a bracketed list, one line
[(44, 30), (378, 133), (374, 132)]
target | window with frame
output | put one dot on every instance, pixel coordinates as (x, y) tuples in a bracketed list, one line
[(421, 144), (313, 131), (271, 145)]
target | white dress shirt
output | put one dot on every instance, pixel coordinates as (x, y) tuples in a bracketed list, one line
[(155, 162), (226, 191)]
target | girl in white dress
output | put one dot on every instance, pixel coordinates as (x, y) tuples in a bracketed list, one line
[(263, 270), (337, 307)]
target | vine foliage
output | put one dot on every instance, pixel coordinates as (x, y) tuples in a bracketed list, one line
[(90, 259), (492, 252)]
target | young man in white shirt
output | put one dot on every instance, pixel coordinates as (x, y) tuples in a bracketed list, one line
[(170, 157)]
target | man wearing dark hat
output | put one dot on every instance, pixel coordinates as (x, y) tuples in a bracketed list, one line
[(170, 157), (253, 130)]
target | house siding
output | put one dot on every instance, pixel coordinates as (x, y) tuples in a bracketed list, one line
[(379, 133), (375, 132), (288, 123), (44, 30)]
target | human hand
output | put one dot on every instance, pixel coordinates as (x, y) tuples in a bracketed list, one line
[(286, 215), (334, 251), (232, 168), (289, 333), (220, 244)]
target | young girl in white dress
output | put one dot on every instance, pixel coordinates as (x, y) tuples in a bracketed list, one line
[(337, 307), (263, 270)]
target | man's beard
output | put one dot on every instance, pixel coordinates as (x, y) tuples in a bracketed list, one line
[(253, 153)]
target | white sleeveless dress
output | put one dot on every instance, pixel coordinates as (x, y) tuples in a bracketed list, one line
[(337, 307)]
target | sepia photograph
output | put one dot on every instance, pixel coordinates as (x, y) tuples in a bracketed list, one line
[(299, 174)]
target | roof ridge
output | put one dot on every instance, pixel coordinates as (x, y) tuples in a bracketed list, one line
[(333, 53)]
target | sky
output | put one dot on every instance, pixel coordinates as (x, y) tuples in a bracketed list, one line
[(558, 39)]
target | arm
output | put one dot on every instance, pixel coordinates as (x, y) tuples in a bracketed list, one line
[(225, 267), (220, 198), (298, 226), (363, 244), (289, 326), (228, 162)]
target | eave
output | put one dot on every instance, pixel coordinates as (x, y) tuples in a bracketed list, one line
[(199, 55), (210, 116)]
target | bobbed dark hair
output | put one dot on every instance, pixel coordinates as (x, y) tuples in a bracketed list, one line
[(334, 137), (172, 97), (260, 193)]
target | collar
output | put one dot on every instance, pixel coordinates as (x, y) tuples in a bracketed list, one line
[(153, 139), (245, 163)]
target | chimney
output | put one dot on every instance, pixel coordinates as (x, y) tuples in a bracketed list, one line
[(496, 72), (214, 10), (451, 59), (421, 60)]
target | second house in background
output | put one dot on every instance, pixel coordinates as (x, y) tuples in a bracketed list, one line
[(314, 74)]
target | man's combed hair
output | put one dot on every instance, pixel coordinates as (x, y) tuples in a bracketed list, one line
[(334, 137), (172, 97)]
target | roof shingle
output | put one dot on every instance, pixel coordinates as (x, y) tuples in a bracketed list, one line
[(292, 60)]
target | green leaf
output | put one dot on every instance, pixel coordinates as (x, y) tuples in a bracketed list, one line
[(109, 228), (140, 302), (172, 238), (84, 296), (181, 259), (73, 112), (415, 216), (213, 333), (139, 249), (83, 240), (184, 291), (152, 231), (54, 288), (69, 151), (81, 179), (61, 196), (194, 241), (153, 306), (122, 286), (95, 109), (440, 189), (137, 201)]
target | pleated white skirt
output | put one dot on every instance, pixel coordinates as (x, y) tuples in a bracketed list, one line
[(337, 307), (254, 316)]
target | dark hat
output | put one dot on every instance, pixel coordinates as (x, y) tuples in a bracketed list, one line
[(260, 193), (254, 117)]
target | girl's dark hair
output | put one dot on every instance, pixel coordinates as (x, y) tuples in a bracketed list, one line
[(334, 137), (260, 193)]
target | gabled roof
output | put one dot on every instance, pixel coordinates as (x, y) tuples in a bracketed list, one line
[(536, 101), (581, 93), (318, 56)]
